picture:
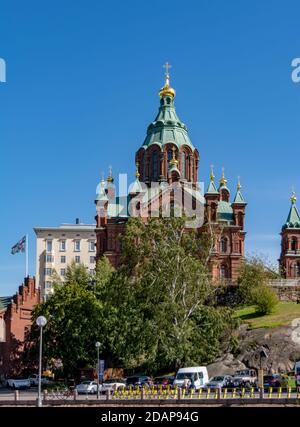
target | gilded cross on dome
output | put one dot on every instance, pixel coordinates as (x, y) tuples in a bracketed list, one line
[(167, 90)]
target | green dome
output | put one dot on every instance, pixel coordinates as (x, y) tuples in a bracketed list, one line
[(167, 127)]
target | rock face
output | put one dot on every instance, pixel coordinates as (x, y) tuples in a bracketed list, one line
[(225, 365), (281, 345)]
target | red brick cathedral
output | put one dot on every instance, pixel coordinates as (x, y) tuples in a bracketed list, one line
[(290, 243), (166, 184)]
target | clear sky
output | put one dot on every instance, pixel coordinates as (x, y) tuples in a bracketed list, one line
[(82, 87)]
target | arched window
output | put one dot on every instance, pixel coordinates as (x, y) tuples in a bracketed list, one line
[(170, 157), (223, 245), (223, 271), (224, 195), (298, 269), (213, 212), (183, 165), (240, 219), (154, 166), (294, 244)]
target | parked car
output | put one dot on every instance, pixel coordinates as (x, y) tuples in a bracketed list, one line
[(274, 380), (140, 381), (18, 383), (244, 378), (34, 380), (87, 387), (164, 381), (220, 381), (113, 385), (196, 376)]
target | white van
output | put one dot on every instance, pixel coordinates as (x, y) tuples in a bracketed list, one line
[(297, 372), (196, 376)]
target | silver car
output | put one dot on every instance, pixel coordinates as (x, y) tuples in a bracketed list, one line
[(87, 387), (220, 381)]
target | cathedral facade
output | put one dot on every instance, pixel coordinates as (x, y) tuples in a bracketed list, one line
[(167, 168), (290, 243)]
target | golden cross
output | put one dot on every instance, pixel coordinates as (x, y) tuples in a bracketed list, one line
[(167, 66)]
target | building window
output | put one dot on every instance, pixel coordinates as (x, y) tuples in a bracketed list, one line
[(63, 259), (92, 272), (49, 258), (77, 259), (77, 245), (183, 165), (223, 245), (297, 269), (48, 271), (154, 166), (170, 157), (92, 259), (49, 246), (294, 244), (48, 285), (91, 245), (63, 272), (62, 245), (223, 271)]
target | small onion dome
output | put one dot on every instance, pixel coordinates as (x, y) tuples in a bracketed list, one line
[(102, 195), (173, 161), (167, 90), (110, 178), (223, 180)]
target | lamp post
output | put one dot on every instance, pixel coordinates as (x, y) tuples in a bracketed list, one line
[(98, 344), (41, 321)]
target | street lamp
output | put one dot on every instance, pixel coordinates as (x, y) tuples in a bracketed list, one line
[(98, 344), (41, 322)]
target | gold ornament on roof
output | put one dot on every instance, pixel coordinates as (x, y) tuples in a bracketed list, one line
[(137, 174), (173, 161), (102, 183), (293, 198), (167, 90), (212, 176), (238, 186), (223, 180), (110, 177)]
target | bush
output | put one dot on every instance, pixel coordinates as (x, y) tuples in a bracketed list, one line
[(265, 299)]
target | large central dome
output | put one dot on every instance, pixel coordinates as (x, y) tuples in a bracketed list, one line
[(167, 127), (167, 141)]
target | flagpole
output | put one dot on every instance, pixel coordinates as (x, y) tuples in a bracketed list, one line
[(26, 256)]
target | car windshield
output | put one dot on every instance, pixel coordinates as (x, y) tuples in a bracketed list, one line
[(185, 375), (86, 382), (217, 379), (242, 373)]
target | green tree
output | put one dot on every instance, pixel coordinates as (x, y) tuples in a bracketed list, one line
[(255, 275), (74, 321), (156, 302)]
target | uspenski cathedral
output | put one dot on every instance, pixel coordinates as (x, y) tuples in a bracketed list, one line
[(167, 166)]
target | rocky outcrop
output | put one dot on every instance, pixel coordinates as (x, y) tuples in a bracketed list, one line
[(281, 346)]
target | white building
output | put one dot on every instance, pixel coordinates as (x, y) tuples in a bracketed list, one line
[(57, 247)]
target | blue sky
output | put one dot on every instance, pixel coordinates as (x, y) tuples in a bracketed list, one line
[(82, 87)]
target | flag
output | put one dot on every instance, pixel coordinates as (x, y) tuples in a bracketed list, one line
[(19, 247)]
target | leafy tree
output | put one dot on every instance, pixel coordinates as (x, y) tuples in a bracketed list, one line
[(255, 275), (157, 301), (74, 321)]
